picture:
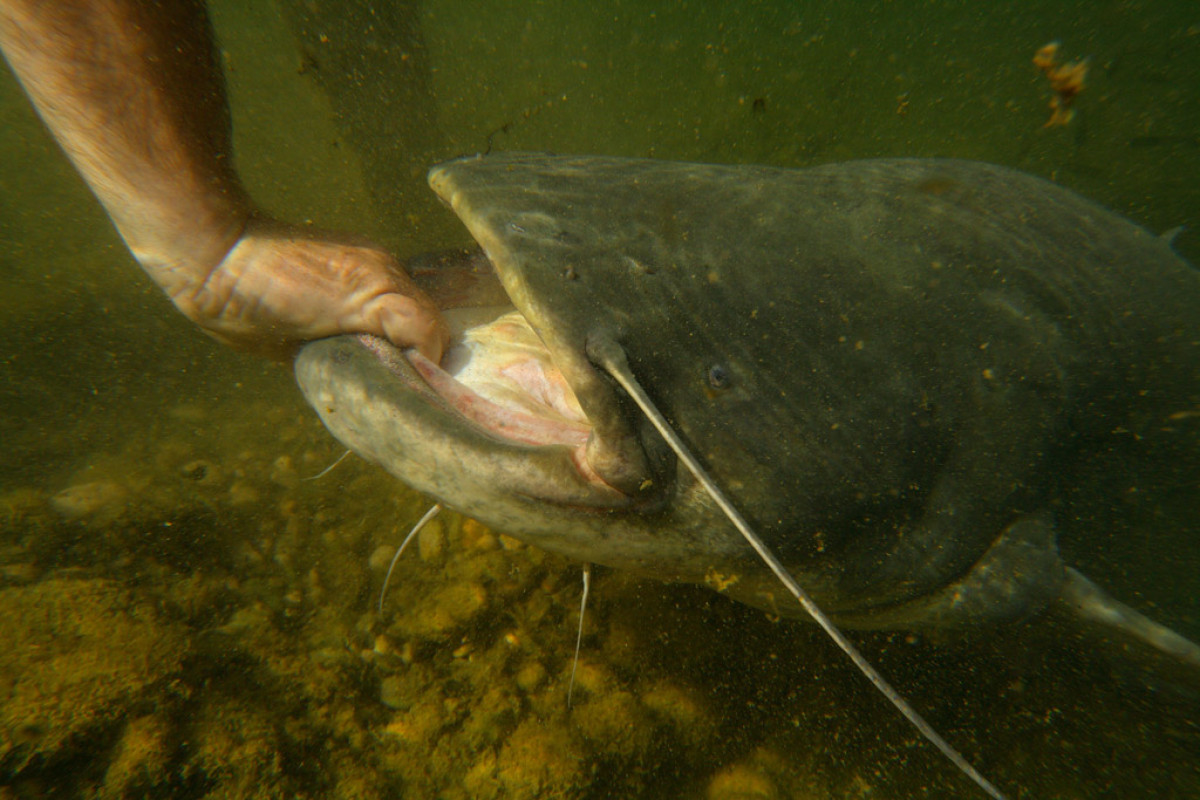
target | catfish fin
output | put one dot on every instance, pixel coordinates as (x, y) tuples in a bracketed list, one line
[(1123, 626), (1017, 577)]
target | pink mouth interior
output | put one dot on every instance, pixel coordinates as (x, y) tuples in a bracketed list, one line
[(507, 421)]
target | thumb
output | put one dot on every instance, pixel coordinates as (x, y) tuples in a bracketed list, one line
[(408, 322)]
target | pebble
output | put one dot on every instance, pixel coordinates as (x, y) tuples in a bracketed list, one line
[(391, 693), (531, 676), (243, 494), (283, 473), (431, 541), (88, 499), (381, 558), (202, 471), (740, 782)]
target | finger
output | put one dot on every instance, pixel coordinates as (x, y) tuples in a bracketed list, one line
[(408, 322)]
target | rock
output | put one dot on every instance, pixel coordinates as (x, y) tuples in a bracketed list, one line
[(142, 758), (283, 473), (77, 655), (95, 499), (203, 472), (431, 541), (393, 693), (741, 782), (242, 493), (531, 676), (381, 558)]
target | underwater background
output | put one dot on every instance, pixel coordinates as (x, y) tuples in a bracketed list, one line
[(183, 613)]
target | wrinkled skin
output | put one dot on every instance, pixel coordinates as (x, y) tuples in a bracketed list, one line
[(280, 286)]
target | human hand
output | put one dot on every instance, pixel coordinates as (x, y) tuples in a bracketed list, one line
[(280, 286)]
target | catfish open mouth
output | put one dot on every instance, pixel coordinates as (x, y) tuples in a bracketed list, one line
[(498, 376), (496, 420)]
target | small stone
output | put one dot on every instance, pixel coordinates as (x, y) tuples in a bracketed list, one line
[(741, 782), (381, 558), (283, 473), (202, 471), (476, 536), (89, 500), (243, 494), (247, 620), (431, 541), (686, 712), (531, 676), (391, 693), (594, 679)]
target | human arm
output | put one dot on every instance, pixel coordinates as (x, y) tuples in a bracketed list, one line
[(132, 92)]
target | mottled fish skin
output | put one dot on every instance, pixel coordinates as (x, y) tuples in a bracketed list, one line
[(884, 363)]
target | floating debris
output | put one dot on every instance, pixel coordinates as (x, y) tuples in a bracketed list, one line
[(1067, 81)]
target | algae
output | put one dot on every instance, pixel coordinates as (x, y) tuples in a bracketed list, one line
[(78, 655)]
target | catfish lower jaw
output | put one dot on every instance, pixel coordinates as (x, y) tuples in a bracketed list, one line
[(513, 426), (499, 427)]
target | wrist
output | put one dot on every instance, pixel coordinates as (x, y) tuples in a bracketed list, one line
[(180, 245)]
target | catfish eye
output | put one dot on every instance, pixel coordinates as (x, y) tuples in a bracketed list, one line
[(719, 377)]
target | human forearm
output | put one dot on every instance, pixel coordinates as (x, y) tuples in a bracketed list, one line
[(131, 91)]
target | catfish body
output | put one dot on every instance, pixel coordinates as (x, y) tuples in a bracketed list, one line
[(886, 364)]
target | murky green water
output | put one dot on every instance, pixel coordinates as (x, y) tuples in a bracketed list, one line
[(182, 614)]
